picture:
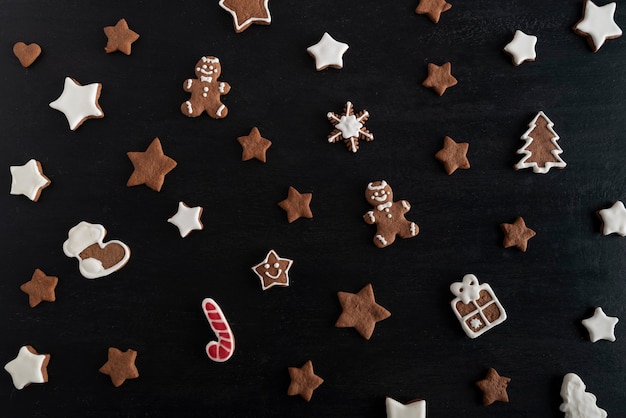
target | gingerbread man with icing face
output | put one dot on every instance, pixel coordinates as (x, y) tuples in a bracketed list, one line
[(206, 90), (387, 215)]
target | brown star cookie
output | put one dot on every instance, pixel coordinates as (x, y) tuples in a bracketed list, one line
[(151, 166), (27, 54), (303, 381), (120, 37), (273, 270), (247, 12), (40, 288), (439, 78), (432, 8), (360, 311), (453, 155), (120, 366), (493, 387), (254, 146), (517, 234), (296, 205)]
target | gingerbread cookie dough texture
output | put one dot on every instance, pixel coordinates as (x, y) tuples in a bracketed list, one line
[(206, 91), (95, 258)]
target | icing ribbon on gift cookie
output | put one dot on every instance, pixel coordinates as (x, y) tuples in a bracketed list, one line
[(476, 306), (222, 349), (95, 258)]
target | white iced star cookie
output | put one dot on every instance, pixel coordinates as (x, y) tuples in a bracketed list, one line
[(598, 24), (79, 102), (414, 409), (187, 219), (614, 219), (28, 179), (600, 326), (328, 52), (28, 367), (522, 47)]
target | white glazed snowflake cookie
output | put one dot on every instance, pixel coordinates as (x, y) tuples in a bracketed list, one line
[(522, 47), (349, 127), (79, 103), (328, 52), (476, 306), (598, 24), (613, 219), (28, 179)]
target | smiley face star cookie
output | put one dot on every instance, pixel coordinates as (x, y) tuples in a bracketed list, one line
[(273, 270)]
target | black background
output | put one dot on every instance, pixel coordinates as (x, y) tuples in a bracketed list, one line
[(153, 304)]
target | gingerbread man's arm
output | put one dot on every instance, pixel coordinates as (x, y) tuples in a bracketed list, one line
[(369, 217), (187, 85), (406, 206), (223, 87)]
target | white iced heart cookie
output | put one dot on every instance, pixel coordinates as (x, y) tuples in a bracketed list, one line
[(95, 258)]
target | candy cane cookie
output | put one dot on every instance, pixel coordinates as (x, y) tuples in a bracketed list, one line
[(222, 349)]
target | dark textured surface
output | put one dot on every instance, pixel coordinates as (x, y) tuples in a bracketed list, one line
[(153, 304)]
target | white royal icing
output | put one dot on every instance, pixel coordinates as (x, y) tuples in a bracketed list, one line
[(26, 368), (349, 126), (27, 179), (252, 19), (527, 154), (599, 23), (522, 47), (614, 219), (78, 102), (328, 52), (576, 402), (395, 409), (265, 265), (381, 186), (600, 326), (187, 219)]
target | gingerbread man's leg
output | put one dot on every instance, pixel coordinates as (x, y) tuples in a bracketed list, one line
[(384, 238), (217, 110), (190, 109), (409, 229)]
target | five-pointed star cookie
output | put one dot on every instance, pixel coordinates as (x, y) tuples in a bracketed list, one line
[(273, 270), (598, 24), (120, 37), (296, 205), (517, 234), (439, 78), (120, 366), (433, 8), (28, 367), (187, 219), (493, 387), (453, 155), (600, 326), (328, 52), (79, 103), (303, 381), (247, 12), (522, 47), (413, 409), (151, 166), (28, 179), (360, 311), (614, 219), (254, 146), (40, 288)]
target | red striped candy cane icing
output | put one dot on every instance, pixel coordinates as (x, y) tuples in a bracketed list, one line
[(222, 349)]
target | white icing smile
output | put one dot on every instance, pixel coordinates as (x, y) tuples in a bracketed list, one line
[(276, 266)]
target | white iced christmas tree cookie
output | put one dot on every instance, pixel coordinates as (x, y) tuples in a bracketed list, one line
[(576, 402), (541, 150)]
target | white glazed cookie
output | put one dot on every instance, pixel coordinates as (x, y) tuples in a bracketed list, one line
[(600, 326), (328, 52), (79, 103), (28, 367), (187, 219), (28, 179), (522, 47), (614, 219), (576, 402), (598, 24)]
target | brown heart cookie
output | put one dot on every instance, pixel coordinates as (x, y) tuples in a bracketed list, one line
[(27, 54)]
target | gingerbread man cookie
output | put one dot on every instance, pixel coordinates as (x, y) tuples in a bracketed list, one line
[(206, 90), (387, 215)]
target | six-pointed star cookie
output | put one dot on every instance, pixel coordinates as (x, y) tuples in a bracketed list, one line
[(187, 219), (28, 179), (349, 127), (614, 219), (360, 311), (151, 166), (433, 8), (120, 366), (517, 234), (28, 367), (453, 155), (493, 387), (303, 381), (296, 205), (413, 409), (254, 146), (273, 271), (598, 24), (120, 37), (40, 288), (79, 103), (328, 52), (247, 12), (600, 326), (522, 47), (439, 78)]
